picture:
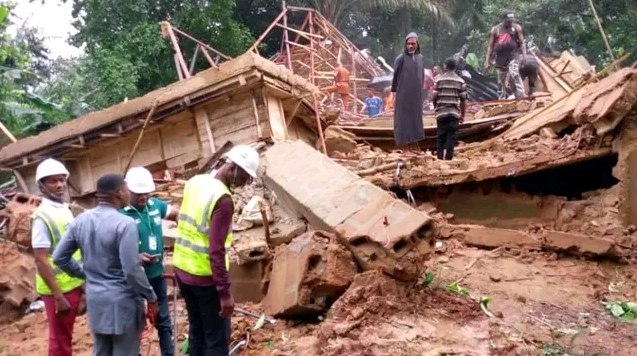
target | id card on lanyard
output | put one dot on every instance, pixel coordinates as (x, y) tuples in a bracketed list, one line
[(152, 242)]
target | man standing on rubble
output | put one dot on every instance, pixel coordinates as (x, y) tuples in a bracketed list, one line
[(148, 213), (506, 40), (116, 282), (407, 83), (341, 85), (450, 102), (201, 265), (60, 292)]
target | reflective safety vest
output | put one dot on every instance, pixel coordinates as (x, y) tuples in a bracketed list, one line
[(56, 221), (191, 252)]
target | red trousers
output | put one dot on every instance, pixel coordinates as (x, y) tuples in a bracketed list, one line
[(61, 325)]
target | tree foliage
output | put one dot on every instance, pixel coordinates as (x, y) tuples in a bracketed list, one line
[(23, 66), (125, 51), (125, 55)]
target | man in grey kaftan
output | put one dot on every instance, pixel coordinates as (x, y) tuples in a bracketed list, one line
[(116, 283), (408, 83)]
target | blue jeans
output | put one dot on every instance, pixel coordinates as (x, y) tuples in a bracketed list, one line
[(164, 327)]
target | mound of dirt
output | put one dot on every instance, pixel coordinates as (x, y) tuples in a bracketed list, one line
[(16, 282), (375, 298)]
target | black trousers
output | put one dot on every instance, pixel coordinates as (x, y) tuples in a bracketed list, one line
[(209, 333), (446, 136), (529, 72)]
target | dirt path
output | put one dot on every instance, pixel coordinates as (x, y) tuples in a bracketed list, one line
[(545, 306)]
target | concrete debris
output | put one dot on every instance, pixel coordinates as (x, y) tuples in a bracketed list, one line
[(246, 281), (487, 237), (338, 140), (578, 243), (547, 132), (16, 282), (505, 107), (308, 275), (476, 163), (572, 243), (284, 233), (603, 104), (369, 220), (18, 211), (250, 247)]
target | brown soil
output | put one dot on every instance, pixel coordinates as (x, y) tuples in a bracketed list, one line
[(539, 300)]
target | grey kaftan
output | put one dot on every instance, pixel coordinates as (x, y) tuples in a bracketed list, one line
[(115, 280), (407, 84)]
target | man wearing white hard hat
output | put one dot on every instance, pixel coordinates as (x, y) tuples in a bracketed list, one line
[(204, 232), (60, 292), (148, 213)]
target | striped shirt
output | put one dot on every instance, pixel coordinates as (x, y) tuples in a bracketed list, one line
[(450, 88)]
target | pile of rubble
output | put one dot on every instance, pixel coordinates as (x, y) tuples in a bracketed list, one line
[(16, 282)]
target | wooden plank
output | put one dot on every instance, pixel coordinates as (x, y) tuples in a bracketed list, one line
[(276, 117), (180, 139), (256, 116), (209, 163), (201, 117), (303, 34)]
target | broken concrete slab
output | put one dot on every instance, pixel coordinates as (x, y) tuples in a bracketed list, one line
[(246, 281), (572, 243), (332, 198), (284, 233), (16, 282), (489, 237), (578, 243), (338, 140), (250, 246), (308, 275), (603, 104)]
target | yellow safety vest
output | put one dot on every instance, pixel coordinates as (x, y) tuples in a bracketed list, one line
[(191, 253), (56, 221)]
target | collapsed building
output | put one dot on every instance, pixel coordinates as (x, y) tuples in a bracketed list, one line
[(530, 174)]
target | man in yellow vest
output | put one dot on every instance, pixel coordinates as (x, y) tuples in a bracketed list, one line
[(204, 232), (60, 292)]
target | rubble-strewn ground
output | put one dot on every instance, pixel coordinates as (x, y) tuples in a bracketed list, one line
[(473, 162), (543, 303)]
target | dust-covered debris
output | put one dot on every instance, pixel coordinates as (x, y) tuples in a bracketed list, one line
[(16, 282), (308, 275)]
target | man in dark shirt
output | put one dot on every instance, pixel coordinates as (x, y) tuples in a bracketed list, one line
[(449, 100), (529, 71), (201, 266), (506, 40)]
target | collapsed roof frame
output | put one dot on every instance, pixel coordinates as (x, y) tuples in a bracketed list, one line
[(185, 71), (326, 47)]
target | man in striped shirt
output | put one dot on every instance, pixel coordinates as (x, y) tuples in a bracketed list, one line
[(450, 102)]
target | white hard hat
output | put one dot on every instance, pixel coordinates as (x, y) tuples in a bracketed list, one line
[(140, 180), (245, 157), (50, 167)]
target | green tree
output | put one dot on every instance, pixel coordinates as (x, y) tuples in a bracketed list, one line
[(126, 52), (22, 61)]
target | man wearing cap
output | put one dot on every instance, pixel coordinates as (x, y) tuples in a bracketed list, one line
[(506, 40), (204, 232), (148, 213), (407, 84), (60, 292), (116, 284)]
